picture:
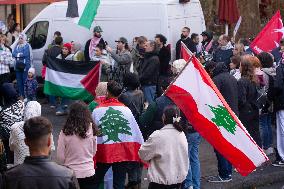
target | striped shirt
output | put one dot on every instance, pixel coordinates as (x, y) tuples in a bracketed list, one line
[(6, 60)]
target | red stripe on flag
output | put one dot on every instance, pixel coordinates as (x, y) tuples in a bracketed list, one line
[(91, 80), (208, 81), (209, 131), (118, 152), (186, 54)]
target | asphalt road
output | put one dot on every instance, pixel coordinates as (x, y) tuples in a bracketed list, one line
[(260, 179)]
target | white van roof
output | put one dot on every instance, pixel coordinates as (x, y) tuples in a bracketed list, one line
[(131, 2)]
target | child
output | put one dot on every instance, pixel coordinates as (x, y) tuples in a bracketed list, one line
[(31, 86)]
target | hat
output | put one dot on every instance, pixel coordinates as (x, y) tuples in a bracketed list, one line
[(122, 39), (98, 29), (68, 46), (32, 70)]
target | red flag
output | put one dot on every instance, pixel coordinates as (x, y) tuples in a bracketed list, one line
[(91, 80), (208, 112), (186, 54), (270, 36)]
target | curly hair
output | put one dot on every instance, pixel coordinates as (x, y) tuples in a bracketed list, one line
[(248, 69), (79, 120)]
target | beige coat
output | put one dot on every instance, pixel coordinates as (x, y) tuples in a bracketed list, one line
[(167, 152)]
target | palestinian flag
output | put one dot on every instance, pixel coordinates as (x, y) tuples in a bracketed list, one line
[(196, 95), (71, 79), (120, 137), (83, 12)]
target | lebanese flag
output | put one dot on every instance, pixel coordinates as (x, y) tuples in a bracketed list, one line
[(196, 95), (186, 54), (120, 137), (270, 36)]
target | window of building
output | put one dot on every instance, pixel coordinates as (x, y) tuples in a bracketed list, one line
[(37, 34)]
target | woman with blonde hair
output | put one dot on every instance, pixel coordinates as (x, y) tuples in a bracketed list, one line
[(239, 49)]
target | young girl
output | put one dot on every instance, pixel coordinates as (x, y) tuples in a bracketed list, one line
[(167, 152), (77, 144), (66, 52), (31, 85)]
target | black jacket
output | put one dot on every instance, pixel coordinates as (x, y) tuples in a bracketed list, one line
[(279, 88), (86, 51), (52, 52), (249, 112), (40, 173), (277, 54), (134, 100), (149, 69), (221, 55), (164, 57), (227, 85), (189, 44)]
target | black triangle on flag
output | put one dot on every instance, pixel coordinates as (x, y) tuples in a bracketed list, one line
[(72, 9)]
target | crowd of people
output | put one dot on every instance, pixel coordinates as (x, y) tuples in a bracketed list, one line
[(133, 76)]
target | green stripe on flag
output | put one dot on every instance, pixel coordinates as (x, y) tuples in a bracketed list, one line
[(89, 13), (67, 92)]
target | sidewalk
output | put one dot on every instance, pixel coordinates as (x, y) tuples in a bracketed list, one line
[(263, 176)]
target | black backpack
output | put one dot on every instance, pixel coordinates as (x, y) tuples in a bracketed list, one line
[(266, 95)]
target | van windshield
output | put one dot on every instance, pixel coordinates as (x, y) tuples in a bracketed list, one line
[(37, 34)]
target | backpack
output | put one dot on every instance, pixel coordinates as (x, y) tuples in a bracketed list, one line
[(261, 96), (266, 95)]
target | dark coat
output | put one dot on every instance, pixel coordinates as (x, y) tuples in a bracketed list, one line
[(149, 69), (40, 173), (227, 85), (279, 88), (164, 57), (223, 56), (52, 52), (189, 44), (249, 112), (277, 54), (134, 100), (151, 119), (86, 51)]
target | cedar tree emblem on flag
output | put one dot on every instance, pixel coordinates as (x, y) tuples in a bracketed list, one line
[(196, 95), (112, 124)]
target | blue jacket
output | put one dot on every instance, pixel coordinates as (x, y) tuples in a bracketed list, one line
[(25, 50), (223, 56)]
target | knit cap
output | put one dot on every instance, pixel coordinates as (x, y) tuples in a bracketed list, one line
[(32, 70)]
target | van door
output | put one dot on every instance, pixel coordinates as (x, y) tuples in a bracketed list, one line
[(37, 36)]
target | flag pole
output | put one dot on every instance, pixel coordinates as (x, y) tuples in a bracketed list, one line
[(187, 63)]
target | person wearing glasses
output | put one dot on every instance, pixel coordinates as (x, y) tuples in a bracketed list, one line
[(185, 38)]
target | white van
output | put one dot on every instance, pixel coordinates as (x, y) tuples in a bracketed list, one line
[(128, 18)]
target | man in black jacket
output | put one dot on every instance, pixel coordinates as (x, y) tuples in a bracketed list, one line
[(279, 108), (228, 87), (277, 52), (149, 71), (185, 38), (38, 171), (164, 54)]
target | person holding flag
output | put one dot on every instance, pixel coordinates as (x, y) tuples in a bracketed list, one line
[(228, 87), (119, 140)]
